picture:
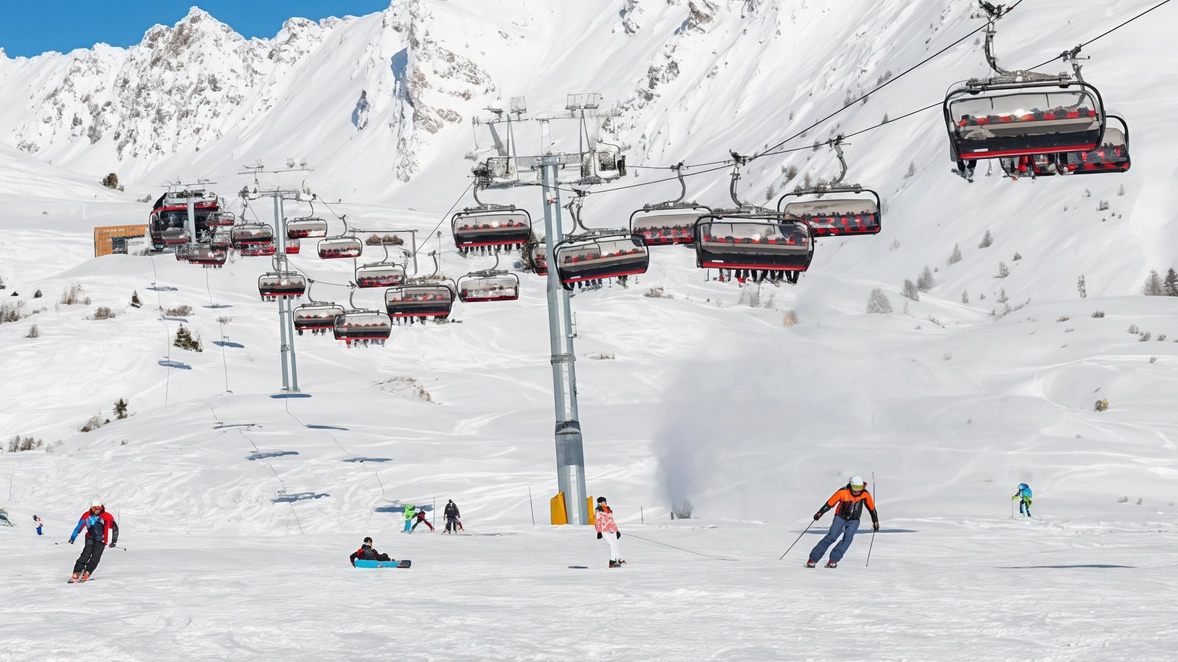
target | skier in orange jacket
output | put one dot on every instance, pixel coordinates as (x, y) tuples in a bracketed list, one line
[(849, 502)]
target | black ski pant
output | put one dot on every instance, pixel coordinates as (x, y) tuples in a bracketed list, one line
[(451, 525), (421, 521), (91, 555)]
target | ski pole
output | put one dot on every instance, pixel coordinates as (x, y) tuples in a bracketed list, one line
[(799, 538)]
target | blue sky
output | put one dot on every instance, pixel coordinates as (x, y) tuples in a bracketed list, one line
[(29, 27)]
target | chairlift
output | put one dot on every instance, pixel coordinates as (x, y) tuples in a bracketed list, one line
[(219, 239), (592, 256), (221, 219), (293, 246), (1112, 156), (306, 228), (539, 258), (281, 285), (205, 255), (490, 228), (168, 225), (258, 250), (344, 246), (362, 327), (421, 298), (492, 284), (751, 242), (1021, 113), (380, 274), (315, 316), (251, 234), (668, 223), (834, 209)]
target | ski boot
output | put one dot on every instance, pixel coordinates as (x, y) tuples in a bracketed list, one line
[(614, 564), (85, 576), (832, 564), (810, 563), (73, 579)]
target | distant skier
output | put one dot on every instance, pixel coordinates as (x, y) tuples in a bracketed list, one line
[(421, 520), (368, 553), (451, 516), (849, 501), (100, 528), (409, 508), (605, 525), (1024, 497), (39, 525)]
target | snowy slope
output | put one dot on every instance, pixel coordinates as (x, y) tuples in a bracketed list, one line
[(706, 397)]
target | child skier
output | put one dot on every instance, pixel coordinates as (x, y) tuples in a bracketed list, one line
[(850, 501), (368, 553), (451, 515), (100, 528), (421, 520), (1024, 497), (605, 525), (39, 525), (409, 508)]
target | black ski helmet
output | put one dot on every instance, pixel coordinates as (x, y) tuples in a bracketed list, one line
[(600, 499), (368, 540)]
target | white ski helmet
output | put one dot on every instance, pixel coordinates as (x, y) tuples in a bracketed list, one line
[(96, 503), (857, 482)]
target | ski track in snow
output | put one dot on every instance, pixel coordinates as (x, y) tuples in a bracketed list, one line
[(238, 510)]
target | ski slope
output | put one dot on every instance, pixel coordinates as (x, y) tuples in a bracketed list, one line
[(238, 509)]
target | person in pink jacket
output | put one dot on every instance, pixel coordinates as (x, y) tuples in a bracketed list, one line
[(605, 526)]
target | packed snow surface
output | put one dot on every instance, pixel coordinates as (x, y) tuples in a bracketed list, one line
[(238, 509)]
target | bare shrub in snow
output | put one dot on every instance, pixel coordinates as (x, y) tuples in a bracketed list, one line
[(1103, 206), (34, 332), (1146, 336), (1064, 318), (111, 181), (955, 256), (987, 240), (602, 356), (1153, 285), (657, 293), (1122, 499), (1133, 329), (1082, 285), (947, 357), (877, 303), (1153, 359), (1102, 405), (1161, 337), (750, 296), (11, 312), (179, 311), (925, 281), (790, 173), (75, 294), (407, 387), (94, 423), (895, 245), (186, 340), (19, 443), (1099, 314), (103, 313), (910, 291), (789, 319)]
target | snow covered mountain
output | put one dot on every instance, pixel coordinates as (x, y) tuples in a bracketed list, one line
[(754, 403)]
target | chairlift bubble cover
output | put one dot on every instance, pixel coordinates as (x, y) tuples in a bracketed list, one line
[(316, 316), (599, 258), (379, 275), (540, 259), (293, 246), (833, 215), (768, 242), (1018, 120), (281, 285), (473, 229), (258, 250), (306, 228), (362, 326), (666, 227), (205, 255), (419, 301), (475, 288), (251, 234), (336, 248)]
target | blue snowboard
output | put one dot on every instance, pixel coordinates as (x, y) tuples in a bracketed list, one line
[(361, 563)]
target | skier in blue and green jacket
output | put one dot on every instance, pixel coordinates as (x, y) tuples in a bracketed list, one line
[(1024, 497)]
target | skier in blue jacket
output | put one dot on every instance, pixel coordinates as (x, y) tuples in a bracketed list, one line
[(1024, 497)]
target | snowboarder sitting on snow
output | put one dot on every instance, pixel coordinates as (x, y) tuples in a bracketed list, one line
[(604, 518), (451, 515), (409, 508), (1024, 497), (368, 553), (100, 528), (850, 501), (421, 520)]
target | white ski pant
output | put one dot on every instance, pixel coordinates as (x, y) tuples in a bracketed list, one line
[(615, 554)]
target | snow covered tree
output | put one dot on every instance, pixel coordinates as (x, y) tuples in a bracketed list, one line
[(1083, 287), (964, 296), (135, 302), (955, 256), (1002, 298), (987, 240), (121, 408), (1170, 285), (878, 302), (185, 340), (1003, 271), (1153, 284), (925, 282), (910, 291)]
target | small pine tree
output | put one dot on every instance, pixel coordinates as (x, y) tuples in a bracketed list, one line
[(925, 282), (1002, 298), (911, 170), (185, 340), (1003, 271), (36, 295), (135, 302), (955, 256), (1017, 256), (121, 408), (878, 303), (987, 240), (1153, 284), (34, 332), (964, 296), (1121, 191), (1170, 285), (910, 291), (1082, 285)]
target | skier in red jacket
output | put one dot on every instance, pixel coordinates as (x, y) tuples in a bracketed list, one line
[(608, 529), (100, 529)]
